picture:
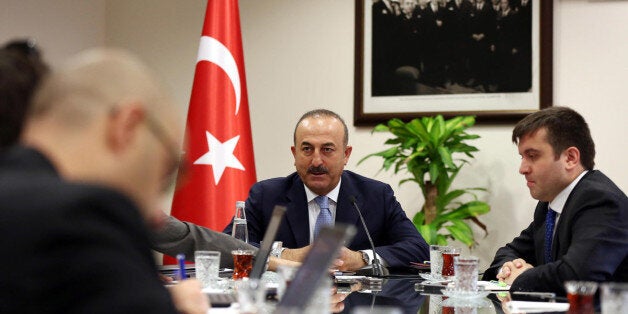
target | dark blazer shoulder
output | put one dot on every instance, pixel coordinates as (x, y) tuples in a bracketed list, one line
[(595, 180), (361, 181)]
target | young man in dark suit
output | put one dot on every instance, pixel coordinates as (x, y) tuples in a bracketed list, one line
[(320, 153), (580, 226)]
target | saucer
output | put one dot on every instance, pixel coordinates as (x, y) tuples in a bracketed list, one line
[(451, 293), (428, 277), (476, 303)]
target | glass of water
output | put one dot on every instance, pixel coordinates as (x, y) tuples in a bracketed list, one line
[(207, 264), (436, 261), (614, 297), (466, 270)]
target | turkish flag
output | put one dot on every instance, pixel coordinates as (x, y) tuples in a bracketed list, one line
[(220, 162)]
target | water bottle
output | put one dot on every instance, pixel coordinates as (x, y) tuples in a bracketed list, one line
[(240, 230)]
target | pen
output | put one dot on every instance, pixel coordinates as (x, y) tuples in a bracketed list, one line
[(545, 295), (181, 260)]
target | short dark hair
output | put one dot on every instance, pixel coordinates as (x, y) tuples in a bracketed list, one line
[(565, 128), (322, 113), (21, 71)]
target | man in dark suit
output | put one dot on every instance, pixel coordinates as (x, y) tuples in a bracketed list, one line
[(580, 226), (522, 80), (320, 152), (77, 196), (384, 49), (435, 22), (458, 15), (507, 47), (482, 31)]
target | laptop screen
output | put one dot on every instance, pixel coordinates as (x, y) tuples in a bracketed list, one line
[(315, 265), (267, 242)]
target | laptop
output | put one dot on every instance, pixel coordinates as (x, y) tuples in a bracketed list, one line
[(267, 243), (315, 265), (221, 299)]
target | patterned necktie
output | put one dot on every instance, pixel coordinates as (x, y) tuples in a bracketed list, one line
[(550, 220), (324, 217)]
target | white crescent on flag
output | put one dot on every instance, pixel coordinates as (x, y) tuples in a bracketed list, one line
[(215, 52)]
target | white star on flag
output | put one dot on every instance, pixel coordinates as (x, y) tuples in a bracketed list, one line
[(220, 156)]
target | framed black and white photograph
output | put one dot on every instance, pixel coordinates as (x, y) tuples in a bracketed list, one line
[(488, 58)]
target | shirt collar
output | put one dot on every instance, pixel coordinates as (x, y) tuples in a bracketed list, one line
[(333, 194), (559, 201)]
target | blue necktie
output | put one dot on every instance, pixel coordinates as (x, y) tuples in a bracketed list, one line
[(324, 217), (550, 220)]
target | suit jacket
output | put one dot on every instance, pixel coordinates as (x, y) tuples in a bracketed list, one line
[(590, 240), (396, 239), (69, 247), (183, 237)]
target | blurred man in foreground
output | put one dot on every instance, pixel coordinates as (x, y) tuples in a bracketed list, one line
[(78, 196)]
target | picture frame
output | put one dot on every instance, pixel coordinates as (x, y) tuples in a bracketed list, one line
[(490, 105)]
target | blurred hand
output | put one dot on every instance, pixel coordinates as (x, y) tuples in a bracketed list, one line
[(188, 297), (337, 297), (275, 262), (296, 255), (165, 279)]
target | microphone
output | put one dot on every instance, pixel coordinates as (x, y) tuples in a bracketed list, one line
[(378, 270)]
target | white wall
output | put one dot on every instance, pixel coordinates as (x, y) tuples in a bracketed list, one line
[(60, 28), (299, 56)]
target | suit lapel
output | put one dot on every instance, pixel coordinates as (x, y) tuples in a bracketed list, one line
[(297, 215), (561, 232), (345, 213)]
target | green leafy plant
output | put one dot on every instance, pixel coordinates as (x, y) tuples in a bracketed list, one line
[(432, 151)]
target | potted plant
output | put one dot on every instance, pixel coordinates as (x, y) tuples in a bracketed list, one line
[(432, 151)]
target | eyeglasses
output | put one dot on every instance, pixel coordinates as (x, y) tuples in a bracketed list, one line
[(177, 168)]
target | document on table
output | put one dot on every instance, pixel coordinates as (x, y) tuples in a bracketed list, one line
[(536, 307)]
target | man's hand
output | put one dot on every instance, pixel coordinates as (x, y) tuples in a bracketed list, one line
[(347, 260), (274, 262), (296, 255), (511, 270), (188, 297), (351, 260)]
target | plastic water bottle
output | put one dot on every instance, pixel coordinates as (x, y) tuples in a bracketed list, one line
[(240, 230)]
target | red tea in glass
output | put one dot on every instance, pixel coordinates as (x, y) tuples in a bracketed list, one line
[(580, 304), (448, 261), (448, 310), (580, 295), (242, 263)]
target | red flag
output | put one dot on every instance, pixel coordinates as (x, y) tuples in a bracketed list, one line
[(221, 166)]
